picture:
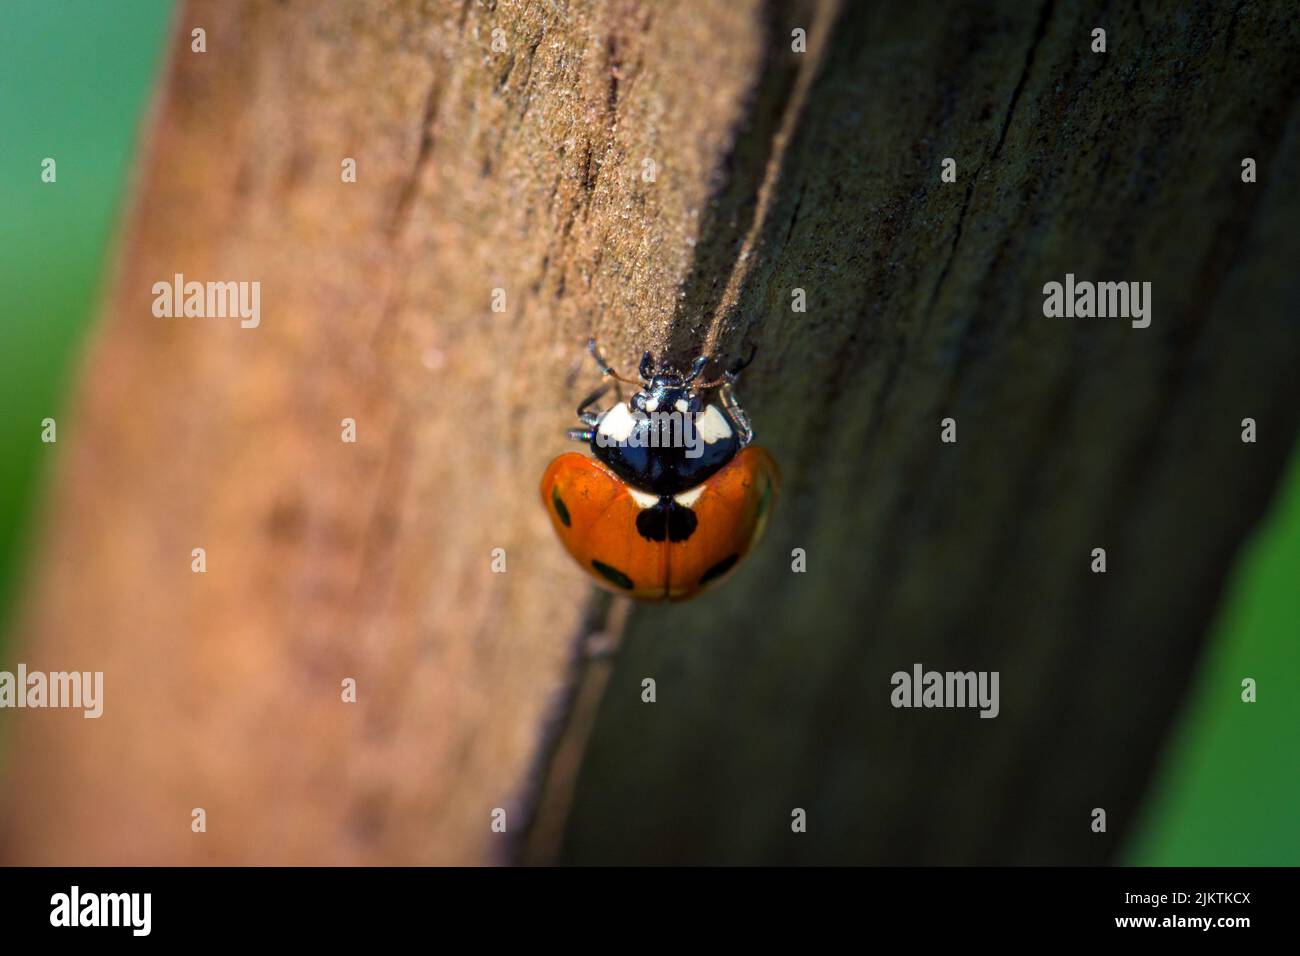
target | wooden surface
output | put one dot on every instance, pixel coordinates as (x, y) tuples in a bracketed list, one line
[(924, 301), (477, 170), (522, 170)]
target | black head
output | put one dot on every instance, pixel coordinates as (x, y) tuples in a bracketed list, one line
[(663, 388)]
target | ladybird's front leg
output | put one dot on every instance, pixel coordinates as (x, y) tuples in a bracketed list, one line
[(733, 373), (606, 369), (697, 368)]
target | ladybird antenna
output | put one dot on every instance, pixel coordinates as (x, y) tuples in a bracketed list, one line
[(647, 364)]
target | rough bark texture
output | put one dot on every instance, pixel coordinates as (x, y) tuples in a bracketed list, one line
[(523, 170), (477, 170), (924, 301)]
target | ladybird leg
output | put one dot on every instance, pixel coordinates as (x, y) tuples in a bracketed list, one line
[(605, 368), (727, 395), (581, 434), (733, 373), (600, 359), (587, 418), (730, 376)]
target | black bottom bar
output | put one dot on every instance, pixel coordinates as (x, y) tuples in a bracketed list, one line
[(544, 906)]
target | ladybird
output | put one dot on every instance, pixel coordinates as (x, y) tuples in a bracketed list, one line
[(675, 496)]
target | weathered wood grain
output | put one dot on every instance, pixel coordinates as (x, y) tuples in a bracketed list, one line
[(925, 302), (522, 170), (478, 170)]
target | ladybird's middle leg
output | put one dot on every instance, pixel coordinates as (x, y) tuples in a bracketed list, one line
[(591, 419)]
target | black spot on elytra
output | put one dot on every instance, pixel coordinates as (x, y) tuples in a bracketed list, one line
[(613, 575), (719, 569), (560, 509), (666, 519)]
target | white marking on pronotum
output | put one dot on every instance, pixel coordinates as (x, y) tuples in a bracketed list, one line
[(642, 499), (617, 424), (712, 425), (681, 405), (687, 499)]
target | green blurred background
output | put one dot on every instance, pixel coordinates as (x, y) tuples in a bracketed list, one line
[(75, 82)]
